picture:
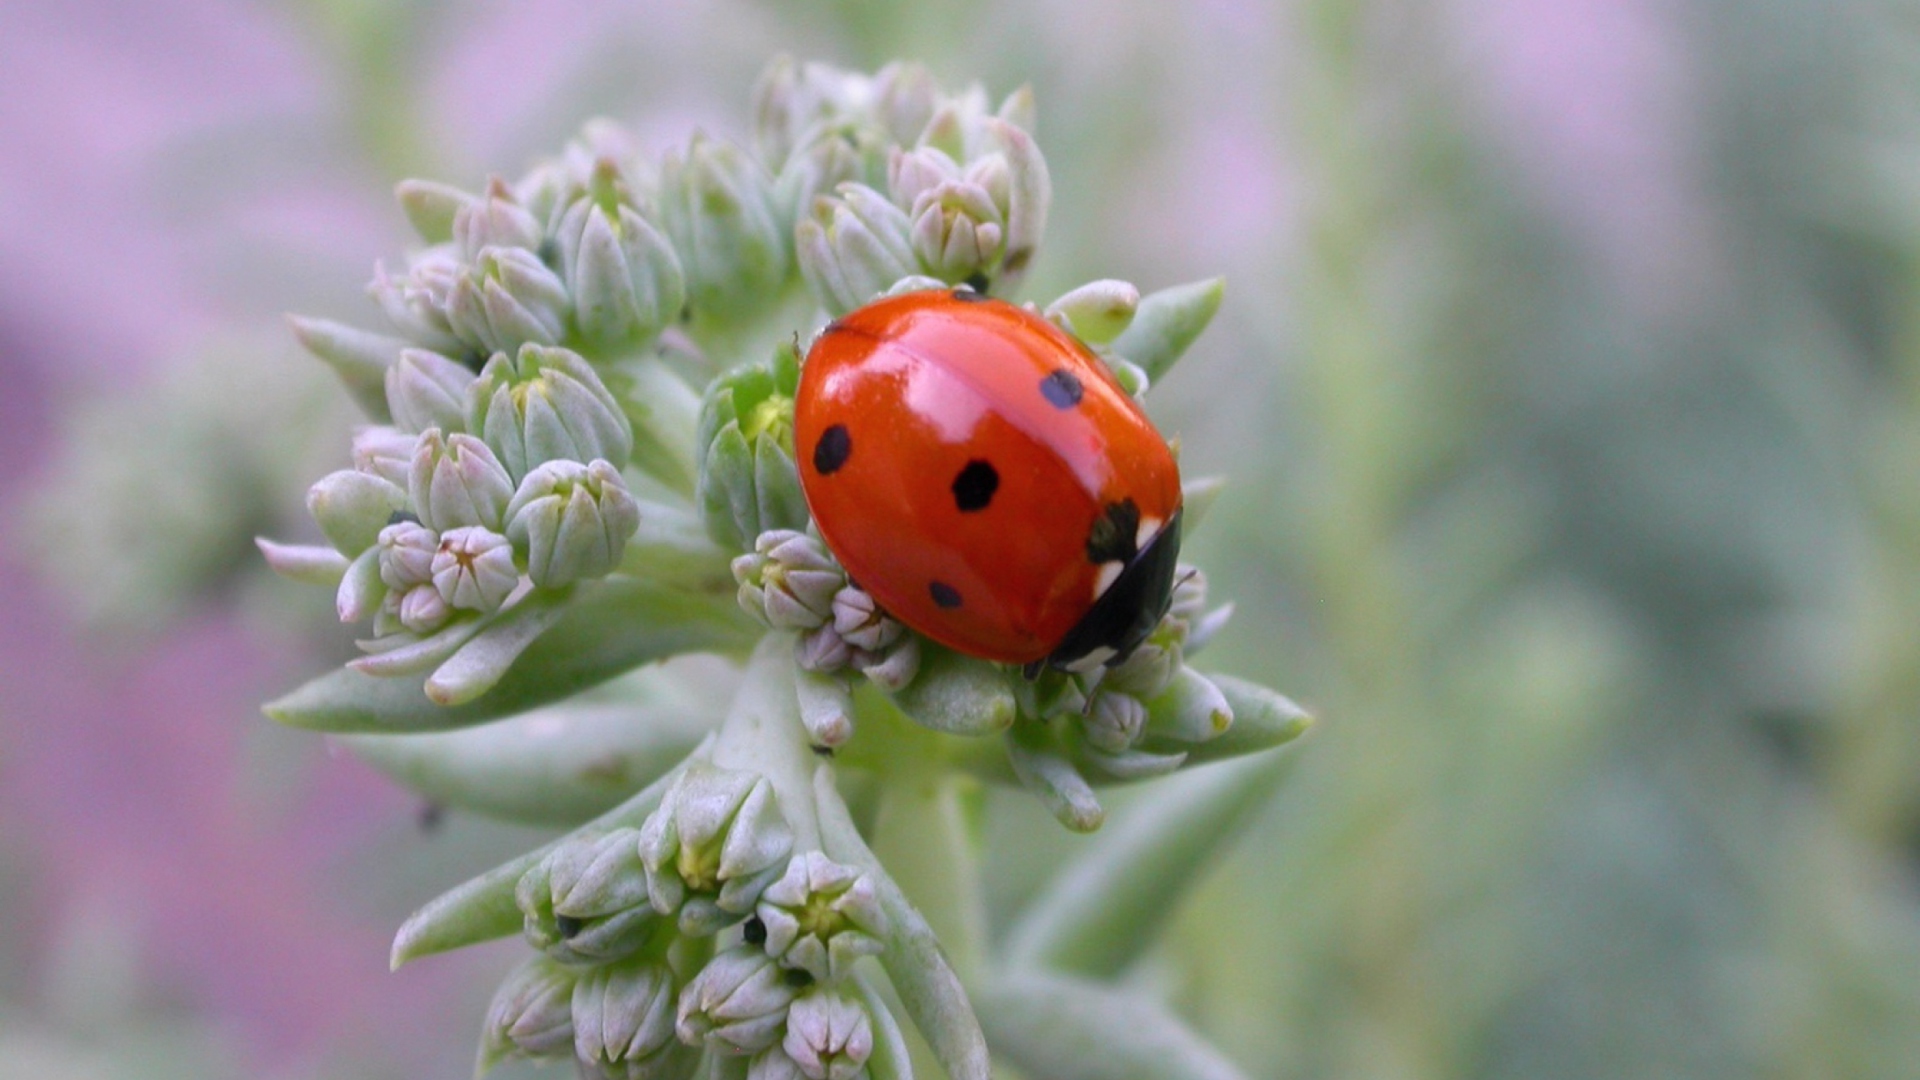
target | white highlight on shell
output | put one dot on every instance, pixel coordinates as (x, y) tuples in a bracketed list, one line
[(1108, 573)]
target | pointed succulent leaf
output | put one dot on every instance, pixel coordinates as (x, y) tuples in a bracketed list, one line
[(1098, 311), (1191, 710), (359, 357), (481, 662), (486, 907), (1167, 322), (615, 627), (1065, 1028), (560, 765), (1046, 772), (1105, 908), (958, 694), (352, 507), (1262, 719), (360, 590), (305, 563)]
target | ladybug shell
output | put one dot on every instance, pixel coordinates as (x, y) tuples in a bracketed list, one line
[(980, 473)]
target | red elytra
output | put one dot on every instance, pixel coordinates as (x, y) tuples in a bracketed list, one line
[(980, 473)]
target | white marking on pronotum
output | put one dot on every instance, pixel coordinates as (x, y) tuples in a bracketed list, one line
[(1108, 573), (1093, 661), (1149, 528)]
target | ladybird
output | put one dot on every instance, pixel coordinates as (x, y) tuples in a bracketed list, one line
[(979, 472)]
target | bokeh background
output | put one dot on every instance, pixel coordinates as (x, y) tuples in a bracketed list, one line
[(1568, 381)]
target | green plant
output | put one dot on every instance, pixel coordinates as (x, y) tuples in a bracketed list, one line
[(580, 465)]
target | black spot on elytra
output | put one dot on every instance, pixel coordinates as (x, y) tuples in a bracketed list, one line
[(754, 932), (831, 451), (944, 594), (969, 294), (568, 926), (1062, 389), (973, 489), (1113, 533)]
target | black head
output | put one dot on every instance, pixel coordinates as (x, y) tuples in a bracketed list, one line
[(1131, 607)]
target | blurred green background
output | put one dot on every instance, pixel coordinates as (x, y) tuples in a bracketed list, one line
[(1568, 384)]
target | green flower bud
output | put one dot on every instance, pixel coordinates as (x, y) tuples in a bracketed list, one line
[(547, 404), (748, 483), (737, 1004), (902, 98), (1028, 194), (788, 99), (716, 204), (352, 507), (623, 1024), (893, 669), (416, 303), (496, 219), (828, 1035), (957, 230), (573, 521), (509, 298), (421, 609), (1192, 709), (1098, 311), (626, 279), (455, 480), (789, 580), (531, 1015), (911, 173), (473, 568), (406, 554), (861, 636), (425, 389), (384, 452), (821, 916), (1114, 721), (715, 842), (862, 623), (834, 156), (431, 207), (774, 1064), (586, 902), (853, 247)]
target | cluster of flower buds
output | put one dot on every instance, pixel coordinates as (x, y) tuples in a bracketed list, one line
[(790, 581), (703, 932), (482, 489), (889, 178)]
